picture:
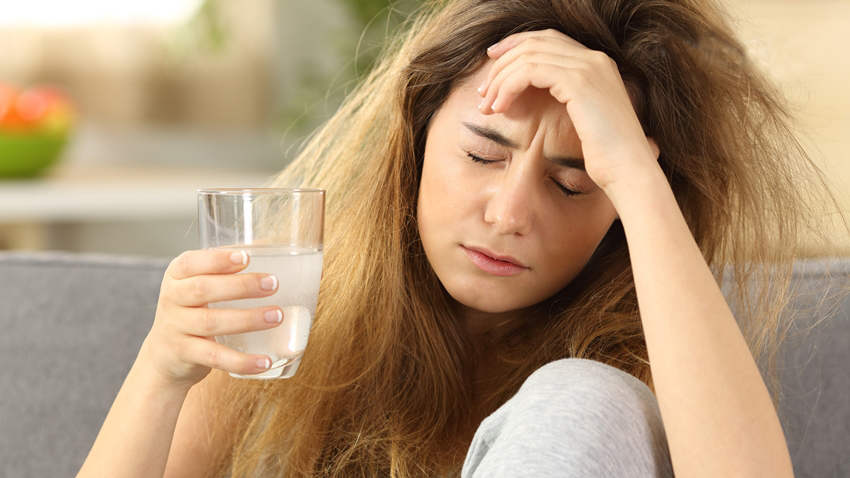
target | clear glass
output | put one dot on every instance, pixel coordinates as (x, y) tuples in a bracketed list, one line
[(282, 231)]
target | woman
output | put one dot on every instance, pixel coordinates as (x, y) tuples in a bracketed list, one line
[(564, 194)]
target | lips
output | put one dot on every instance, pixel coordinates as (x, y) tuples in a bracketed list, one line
[(492, 263)]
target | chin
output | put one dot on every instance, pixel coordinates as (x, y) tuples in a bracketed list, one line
[(491, 303)]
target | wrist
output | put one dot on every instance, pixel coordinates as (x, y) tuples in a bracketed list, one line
[(145, 369), (637, 185)]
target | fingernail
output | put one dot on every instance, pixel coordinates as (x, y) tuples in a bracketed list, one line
[(495, 104), (264, 363), (268, 283), (481, 88), (482, 103), (491, 47), (239, 257), (274, 316)]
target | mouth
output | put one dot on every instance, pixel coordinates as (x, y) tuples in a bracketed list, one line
[(492, 263)]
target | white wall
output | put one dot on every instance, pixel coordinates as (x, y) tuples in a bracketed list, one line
[(805, 45)]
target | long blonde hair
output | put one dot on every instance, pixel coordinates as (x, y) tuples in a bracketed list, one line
[(386, 386)]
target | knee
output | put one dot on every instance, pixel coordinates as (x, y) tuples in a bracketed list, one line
[(604, 400), (582, 415), (580, 379)]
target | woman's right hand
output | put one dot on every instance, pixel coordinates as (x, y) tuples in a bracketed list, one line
[(181, 345)]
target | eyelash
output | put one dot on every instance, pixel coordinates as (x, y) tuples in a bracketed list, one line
[(567, 191)]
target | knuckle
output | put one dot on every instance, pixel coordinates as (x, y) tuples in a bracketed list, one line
[(198, 290), (214, 357), (530, 68), (530, 56), (207, 321), (600, 57), (184, 262), (249, 284), (248, 319)]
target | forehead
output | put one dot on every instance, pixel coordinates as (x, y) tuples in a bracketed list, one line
[(534, 113)]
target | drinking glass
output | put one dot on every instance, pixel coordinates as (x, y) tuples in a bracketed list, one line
[(282, 232)]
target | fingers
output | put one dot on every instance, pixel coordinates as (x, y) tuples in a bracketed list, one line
[(197, 278), (511, 41), (181, 339), (201, 290), (209, 321), (530, 43), (211, 354), (219, 261), (540, 70), (542, 59)]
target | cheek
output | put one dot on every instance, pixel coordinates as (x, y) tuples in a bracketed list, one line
[(444, 195), (432, 208), (431, 188), (573, 242)]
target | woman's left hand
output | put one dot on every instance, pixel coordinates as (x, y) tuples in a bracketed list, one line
[(588, 83)]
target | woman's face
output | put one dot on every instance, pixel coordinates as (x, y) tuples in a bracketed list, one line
[(507, 216)]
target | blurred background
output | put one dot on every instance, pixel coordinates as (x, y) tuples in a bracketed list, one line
[(143, 103)]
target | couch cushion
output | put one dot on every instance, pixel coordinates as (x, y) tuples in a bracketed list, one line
[(814, 405), (71, 328)]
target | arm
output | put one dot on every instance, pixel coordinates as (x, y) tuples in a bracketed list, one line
[(717, 412), (145, 416), (177, 354), (202, 431), (136, 435)]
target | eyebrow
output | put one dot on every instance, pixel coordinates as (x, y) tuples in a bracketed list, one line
[(501, 140), (574, 163), (491, 134)]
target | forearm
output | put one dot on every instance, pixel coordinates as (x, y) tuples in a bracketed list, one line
[(717, 412), (136, 435)]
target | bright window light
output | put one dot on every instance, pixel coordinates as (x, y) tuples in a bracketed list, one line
[(70, 13)]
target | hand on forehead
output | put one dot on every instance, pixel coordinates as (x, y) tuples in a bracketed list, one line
[(534, 113)]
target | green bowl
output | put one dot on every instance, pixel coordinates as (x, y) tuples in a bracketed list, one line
[(26, 155)]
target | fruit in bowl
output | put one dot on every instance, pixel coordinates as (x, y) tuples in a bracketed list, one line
[(34, 127)]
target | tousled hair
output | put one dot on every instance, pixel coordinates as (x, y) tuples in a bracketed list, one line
[(386, 386)]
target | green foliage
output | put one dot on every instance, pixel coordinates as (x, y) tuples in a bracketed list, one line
[(210, 26), (379, 19), (318, 94), (367, 10), (206, 33)]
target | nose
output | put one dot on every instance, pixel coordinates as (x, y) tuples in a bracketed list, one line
[(509, 209)]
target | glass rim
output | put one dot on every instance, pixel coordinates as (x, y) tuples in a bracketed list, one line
[(257, 191)]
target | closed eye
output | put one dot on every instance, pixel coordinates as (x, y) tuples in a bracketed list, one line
[(481, 160), (567, 191)]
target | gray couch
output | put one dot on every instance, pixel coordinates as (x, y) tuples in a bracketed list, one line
[(72, 325)]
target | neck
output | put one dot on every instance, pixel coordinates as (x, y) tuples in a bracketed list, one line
[(482, 329), (481, 323)]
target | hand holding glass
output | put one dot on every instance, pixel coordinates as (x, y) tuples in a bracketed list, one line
[(282, 232)]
